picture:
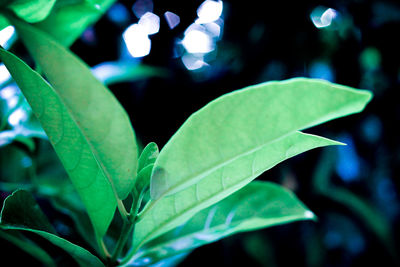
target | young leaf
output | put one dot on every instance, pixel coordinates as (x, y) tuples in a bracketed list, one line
[(70, 18), (240, 124), (101, 117), (148, 156), (258, 205), (21, 212), (75, 148), (169, 212)]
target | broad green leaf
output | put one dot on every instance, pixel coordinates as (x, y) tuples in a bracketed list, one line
[(32, 10), (21, 212), (103, 120), (70, 18), (170, 211), (75, 148), (240, 124), (257, 205), (28, 247)]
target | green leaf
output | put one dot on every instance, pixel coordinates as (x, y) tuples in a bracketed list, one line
[(75, 148), (168, 212), (103, 120), (148, 155), (70, 18), (28, 247), (256, 206), (21, 212), (32, 10), (240, 124), (234, 139)]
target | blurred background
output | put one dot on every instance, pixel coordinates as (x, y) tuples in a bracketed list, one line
[(166, 59)]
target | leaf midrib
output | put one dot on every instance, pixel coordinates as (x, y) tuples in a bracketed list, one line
[(84, 135)]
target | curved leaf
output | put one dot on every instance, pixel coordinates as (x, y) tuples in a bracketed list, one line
[(241, 123), (69, 139), (103, 120), (235, 138), (21, 212), (258, 205), (32, 10), (169, 212), (148, 155)]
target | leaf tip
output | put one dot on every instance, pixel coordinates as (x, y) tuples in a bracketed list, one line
[(310, 215)]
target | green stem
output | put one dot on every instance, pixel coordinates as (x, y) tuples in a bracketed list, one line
[(121, 208), (127, 228), (103, 249), (123, 238)]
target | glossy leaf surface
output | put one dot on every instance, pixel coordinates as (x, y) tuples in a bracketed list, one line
[(169, 212), (102, 119), (21, 212), (258, 205), (69, 139), (244, 122), (234, 139)]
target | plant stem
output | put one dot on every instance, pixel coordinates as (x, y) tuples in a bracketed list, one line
[(103, 249), (123, 238), (127, 228), (122, 210)]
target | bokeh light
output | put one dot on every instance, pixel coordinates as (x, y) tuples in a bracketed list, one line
[(323, 17), (7, 36), (137, 40)]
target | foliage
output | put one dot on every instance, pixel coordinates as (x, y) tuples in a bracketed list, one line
[(197, 189)]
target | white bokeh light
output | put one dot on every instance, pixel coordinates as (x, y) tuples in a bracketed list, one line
[(209, 11), (197, 41), (4, 74), (322, 17), (17, 116), (6, 34), (150, 22), (192, 62), (137, 40), (214, 29)]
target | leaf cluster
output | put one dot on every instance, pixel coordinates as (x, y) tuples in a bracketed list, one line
[(197, 189)]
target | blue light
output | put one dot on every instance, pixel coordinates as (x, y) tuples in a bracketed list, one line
[(321, 70), (118, 13), (348, 163)]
